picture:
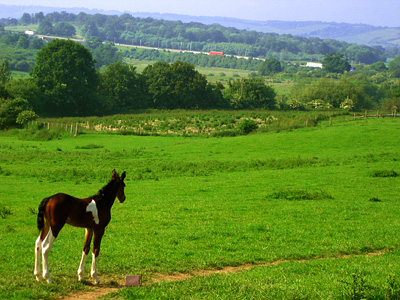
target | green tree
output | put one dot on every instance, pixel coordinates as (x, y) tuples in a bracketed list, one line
[(26, 116), (335, 63), (123, 88), (9, 111), (379, 66), (330, 93), (179, 86), (23, 42), (66, 78), (25, 89), (5, 73), (64, 29), (26, 19), (270, 66), (45, 27), (394, 67), (250, 93)]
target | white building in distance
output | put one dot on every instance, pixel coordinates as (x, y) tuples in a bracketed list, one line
[(314, 65)]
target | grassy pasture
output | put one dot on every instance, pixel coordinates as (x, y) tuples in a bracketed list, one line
[(315, 194)]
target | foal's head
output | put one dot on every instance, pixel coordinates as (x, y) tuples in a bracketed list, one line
[(121, 185)]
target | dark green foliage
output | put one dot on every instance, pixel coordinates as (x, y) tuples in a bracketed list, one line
[(335, 63), (246, 126), (384, 173), (89, 146), (270, 66), (356, 288), (379, 66), (375, 199), (394, 67), (4, 210), (179, 85), (64, 29), (9, 111), (250, 93), (45, 27), (5, 73), (298, 194), (122, 88), (330, 93), (66, 78), (103, 54)]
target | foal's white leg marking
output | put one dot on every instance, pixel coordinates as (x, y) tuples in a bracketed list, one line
[(93, 209), (38, 252), (82, 266), (47, 243), (93, 272)]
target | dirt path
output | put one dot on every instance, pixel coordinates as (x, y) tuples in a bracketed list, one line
[(104, 289)]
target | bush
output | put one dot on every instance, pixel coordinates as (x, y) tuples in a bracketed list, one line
[(246, 126)]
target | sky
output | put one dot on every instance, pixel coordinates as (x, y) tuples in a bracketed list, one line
[(372, 12)]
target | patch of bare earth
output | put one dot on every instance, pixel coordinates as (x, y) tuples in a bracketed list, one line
[(104, 289), (96, 291)]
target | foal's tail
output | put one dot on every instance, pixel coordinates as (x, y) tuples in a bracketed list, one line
[(40, 216)]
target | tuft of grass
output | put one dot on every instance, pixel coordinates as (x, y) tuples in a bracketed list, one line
[(384, 173), (4, 211), (89, 146), (299, 194), (375, 199)]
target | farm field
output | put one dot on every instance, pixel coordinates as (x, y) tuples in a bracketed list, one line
[(315, 210), (223, 75)]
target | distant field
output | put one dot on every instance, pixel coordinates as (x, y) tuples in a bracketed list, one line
[(223, 75), (321, 194)]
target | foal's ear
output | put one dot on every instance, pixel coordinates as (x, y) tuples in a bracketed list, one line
[(123, 175), (113, 173)]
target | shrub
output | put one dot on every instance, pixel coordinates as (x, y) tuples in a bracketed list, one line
[(246, 126)]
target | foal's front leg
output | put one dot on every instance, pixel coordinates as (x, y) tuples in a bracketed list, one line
[(85, 252)]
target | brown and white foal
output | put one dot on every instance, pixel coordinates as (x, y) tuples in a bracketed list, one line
[(93, 214)]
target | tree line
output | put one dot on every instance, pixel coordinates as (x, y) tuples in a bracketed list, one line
[(199, 37), (65, 82)]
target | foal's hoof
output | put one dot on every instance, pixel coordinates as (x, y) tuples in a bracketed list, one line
[(96, 281)]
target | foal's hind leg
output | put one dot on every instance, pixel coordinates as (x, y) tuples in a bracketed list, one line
[(38, 252), (46, 246), (85, 252)]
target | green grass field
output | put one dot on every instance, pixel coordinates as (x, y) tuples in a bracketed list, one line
[(318, 198)]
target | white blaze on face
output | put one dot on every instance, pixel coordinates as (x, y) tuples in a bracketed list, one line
[(93, 209)]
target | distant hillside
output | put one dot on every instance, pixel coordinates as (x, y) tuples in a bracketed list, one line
[(351, 33)]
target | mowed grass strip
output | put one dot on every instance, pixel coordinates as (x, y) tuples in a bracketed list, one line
[(182, 221)]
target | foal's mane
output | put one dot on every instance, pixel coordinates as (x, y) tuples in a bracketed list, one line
[(103, 191)]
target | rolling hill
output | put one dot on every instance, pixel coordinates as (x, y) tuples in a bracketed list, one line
[(352, 33)]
